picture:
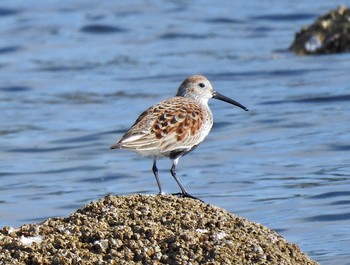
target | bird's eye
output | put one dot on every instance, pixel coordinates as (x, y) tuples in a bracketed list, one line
[(201, 85)]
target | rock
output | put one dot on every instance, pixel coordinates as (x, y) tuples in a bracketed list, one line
[(328, 34), (143, 229)]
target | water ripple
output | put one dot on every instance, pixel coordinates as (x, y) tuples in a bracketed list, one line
[(8, 12), (10, 49), (15, 88), (285, 17), (171, 36), (328, 195), (328, 217), (321, 99), (224, 20), (102, 29)]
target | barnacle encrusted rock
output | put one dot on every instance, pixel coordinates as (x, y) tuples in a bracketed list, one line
[(141, 229), (328, 34)]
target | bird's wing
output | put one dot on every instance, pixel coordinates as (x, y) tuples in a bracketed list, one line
[(169, 125)]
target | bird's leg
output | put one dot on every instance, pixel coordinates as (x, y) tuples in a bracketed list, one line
[(173, 173), (155, 172), (183, 193)]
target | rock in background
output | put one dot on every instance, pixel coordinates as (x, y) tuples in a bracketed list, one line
[(147, 230), (328, 34)]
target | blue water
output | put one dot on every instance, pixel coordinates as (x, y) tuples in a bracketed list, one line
[(76, 74)]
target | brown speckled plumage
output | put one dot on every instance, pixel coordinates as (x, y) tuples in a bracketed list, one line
[(175, 123)]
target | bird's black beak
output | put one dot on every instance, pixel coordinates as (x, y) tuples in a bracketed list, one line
[(228, 100)]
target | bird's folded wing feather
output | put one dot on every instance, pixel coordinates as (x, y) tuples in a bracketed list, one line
[(172, 124)]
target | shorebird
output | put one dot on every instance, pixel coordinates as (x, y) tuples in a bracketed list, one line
[(174, 127)]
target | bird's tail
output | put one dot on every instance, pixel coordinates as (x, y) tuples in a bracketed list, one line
[(116, 146)]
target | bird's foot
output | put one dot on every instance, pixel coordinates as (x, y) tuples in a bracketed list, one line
[(186, 195)]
